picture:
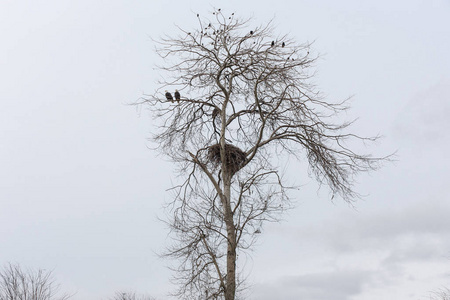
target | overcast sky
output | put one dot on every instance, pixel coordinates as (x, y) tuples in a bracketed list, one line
[(80, 190)]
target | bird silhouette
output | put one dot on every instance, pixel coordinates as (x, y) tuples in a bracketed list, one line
[(169, 96)]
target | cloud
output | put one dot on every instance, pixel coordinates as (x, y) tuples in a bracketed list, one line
[(337, 285), (387, 252), (422, 222), (425, 117)]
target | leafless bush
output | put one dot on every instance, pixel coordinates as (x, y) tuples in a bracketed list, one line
[(18, 284), (442, 294), (130, 296)]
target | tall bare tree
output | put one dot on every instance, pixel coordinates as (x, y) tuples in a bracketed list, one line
[(17, 284), (245, 99)]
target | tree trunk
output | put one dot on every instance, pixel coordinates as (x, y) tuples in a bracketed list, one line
[(230, 288)]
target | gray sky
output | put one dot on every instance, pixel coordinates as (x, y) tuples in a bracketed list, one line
[(80, 191)]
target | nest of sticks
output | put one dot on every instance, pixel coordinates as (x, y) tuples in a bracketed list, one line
[(234, 157)]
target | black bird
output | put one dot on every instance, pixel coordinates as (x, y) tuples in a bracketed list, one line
[(177, 95), (169, 96), (251, 31), (282, 45), (273, 43), (215, 112)]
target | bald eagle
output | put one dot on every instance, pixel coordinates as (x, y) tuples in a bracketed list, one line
[(177, 95), (169, 96)]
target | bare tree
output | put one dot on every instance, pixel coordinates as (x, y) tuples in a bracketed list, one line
[(17, 284), (245, 100), (130, 296), (442, 294)]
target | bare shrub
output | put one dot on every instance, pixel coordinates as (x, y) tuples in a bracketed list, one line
[(19, 284)]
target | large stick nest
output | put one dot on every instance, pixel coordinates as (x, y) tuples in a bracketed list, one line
[(234, 157)]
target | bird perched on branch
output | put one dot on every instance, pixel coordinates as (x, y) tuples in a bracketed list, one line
[(169, 96), (215, 112), (282, 45), (272, 44), (177, 95)]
